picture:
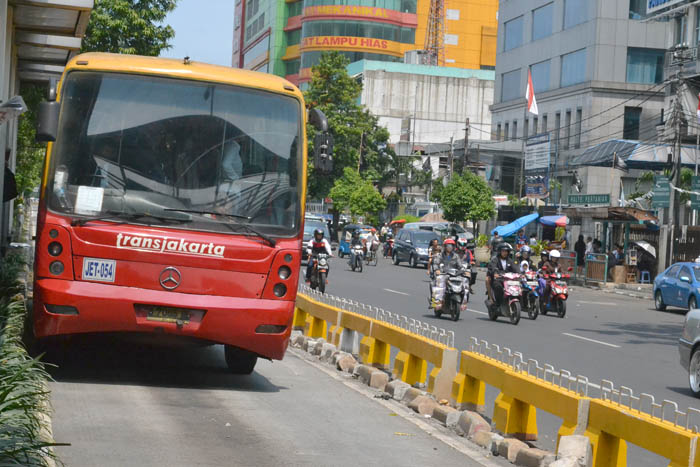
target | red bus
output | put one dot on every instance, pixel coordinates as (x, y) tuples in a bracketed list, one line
[(172, 202)]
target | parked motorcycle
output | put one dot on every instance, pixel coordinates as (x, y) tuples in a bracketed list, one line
[(356, 257), (509, 304), (319, 272), (530, 299), (559, 293), (456, 294)]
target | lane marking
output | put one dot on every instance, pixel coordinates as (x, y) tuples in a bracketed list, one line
[(476, 311), (397, 292), (591, 340), (597, 303)]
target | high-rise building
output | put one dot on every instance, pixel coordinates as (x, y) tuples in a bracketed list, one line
[(288, 38)]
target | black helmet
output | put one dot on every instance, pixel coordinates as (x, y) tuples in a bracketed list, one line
[(356, 233), (504, 246), (318, 232)]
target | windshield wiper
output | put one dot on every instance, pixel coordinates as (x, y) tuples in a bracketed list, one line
[(246, 226), (125, 216)]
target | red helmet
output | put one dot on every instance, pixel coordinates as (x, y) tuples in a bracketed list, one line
[(449, 241)]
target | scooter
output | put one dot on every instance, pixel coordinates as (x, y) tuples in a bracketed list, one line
[(559, 293), (509, 305), (530, 298), (456, 291), (356, 257), (319, 272)]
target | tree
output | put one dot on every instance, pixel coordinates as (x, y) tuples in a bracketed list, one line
[(359, 142), (467, 197), (358, 195), (30, 154), (129, 27)]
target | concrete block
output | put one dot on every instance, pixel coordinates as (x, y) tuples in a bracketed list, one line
[(565, 462), (445, 414), (378, 380), (316, 349), (470, 423), (576, 446), (424, 405), (309, 344), (397, 389), (327, 351), (411, 394), (347, 363), (532, 457), (299, 340), (364, 373), (488, 440), (294, 337), (510, 447)]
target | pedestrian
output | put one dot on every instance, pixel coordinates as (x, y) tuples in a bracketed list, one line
[(533, 239), (521, 239), (597, 246), (589, 245), (580, 249), (495, 241)]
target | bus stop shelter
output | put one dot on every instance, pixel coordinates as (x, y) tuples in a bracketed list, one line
[(37, 38), (611, 217)]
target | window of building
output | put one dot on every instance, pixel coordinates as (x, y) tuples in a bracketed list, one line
[(557, 128), (513, 33), (294, 37), (544, 123), (515, 130), (359, 29), (542, 21), (633, 116), (255, 27), (256, 51), (252, 8), (506, 133), (405, 6), (696, 36), (535, 123), (510, 85), (487, 67), (645, 66), (526, 128), (295, 9), (681, 29), (567, 130), (575, 12), (540, 76), (577, 130), (292, 67), (638, 9), (309, 59), (573, 68), (498, 132)]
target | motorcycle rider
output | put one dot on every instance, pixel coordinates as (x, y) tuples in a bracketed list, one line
[(544, 258), (448, 259), (550, 267), (316, 245), (499, 265), (373, 241), (387, 243), (354, 241), (525, 253)]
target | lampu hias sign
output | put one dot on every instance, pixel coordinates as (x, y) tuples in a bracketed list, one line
[(351, 43), (656, 5), (537, 159)]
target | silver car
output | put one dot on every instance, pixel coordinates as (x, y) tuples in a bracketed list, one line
[(689, 348)]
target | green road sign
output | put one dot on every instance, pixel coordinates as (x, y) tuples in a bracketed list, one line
[(695, 186), (662, 192), (589, 199)]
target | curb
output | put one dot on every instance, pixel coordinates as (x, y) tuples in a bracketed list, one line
[(421, 408)]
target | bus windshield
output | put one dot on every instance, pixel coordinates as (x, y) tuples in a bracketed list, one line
[(185, 154)]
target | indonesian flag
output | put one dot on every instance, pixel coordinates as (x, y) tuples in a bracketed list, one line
[(698, 109), (532, 102)]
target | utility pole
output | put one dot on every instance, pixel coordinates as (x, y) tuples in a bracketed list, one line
[(359, 159), (451, 158), (465, 159), (677, 120)]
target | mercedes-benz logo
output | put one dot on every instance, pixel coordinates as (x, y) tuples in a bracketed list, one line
[(170, 278)]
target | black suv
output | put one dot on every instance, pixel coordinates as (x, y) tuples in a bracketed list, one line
[(412, 246)]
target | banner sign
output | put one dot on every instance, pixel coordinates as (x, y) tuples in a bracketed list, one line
[(662, 192), (656, 5), (351, 43), (345, 11), (695, 186), (537, 160), (589, 199)]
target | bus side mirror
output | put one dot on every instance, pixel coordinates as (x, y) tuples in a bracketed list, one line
[(318, 119), (47, 121)]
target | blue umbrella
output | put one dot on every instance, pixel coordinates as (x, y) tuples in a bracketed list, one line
[(510, 229)]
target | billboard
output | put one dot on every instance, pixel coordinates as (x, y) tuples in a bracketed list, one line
[(537, 160), (656, 5)]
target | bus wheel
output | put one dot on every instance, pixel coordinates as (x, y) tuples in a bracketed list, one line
[(239, 361)]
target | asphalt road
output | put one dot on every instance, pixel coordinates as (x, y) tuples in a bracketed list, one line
[(123, 404), (603, 336)]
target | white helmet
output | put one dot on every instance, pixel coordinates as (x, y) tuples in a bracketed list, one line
[(554, 254)]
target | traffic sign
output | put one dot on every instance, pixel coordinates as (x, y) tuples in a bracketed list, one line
[(695, 186), (661, 192), (589, 199)]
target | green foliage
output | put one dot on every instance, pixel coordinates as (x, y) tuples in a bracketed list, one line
[(132, 27), (30, 153), (540, 246), (337, 94), (482, 240), (436, 192), (467, 197), (356, 194), (559, 233), (406, 217), (12, 265), (516, 202)]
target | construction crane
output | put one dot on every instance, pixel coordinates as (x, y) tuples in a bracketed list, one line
[(434, 53)]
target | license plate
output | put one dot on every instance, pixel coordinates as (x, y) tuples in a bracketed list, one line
[(168, 315), (99, 269)]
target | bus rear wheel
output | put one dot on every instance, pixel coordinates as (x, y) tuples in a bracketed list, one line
[(239, 361)]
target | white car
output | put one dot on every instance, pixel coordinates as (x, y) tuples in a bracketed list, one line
[(689, 348)]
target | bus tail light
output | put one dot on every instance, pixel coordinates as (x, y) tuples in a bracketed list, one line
[(283, 275), (270, 329), (54, 256), (61, 310)]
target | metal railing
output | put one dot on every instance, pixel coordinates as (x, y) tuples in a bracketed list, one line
[(596, 269)]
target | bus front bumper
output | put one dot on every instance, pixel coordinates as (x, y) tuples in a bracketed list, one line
[(98, 308)]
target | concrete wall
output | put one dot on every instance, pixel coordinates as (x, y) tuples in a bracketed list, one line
[(439, 104)]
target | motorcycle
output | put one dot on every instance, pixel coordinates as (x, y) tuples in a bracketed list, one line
[(356, 257), (389, 248), (453, 299), (559, 293), (319, 272), (509, 305), (530, 297)]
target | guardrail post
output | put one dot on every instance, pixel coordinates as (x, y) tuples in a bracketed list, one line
[(299, 322), (334, 334), (349, 341), (375, 352), (440, 379), (409, 368), (468, 393), (514, 417), (608, 450), (316, 327)]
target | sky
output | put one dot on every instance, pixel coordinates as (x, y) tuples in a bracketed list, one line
[(203, 30)]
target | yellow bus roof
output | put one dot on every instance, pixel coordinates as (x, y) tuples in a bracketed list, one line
[(176, 68)]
